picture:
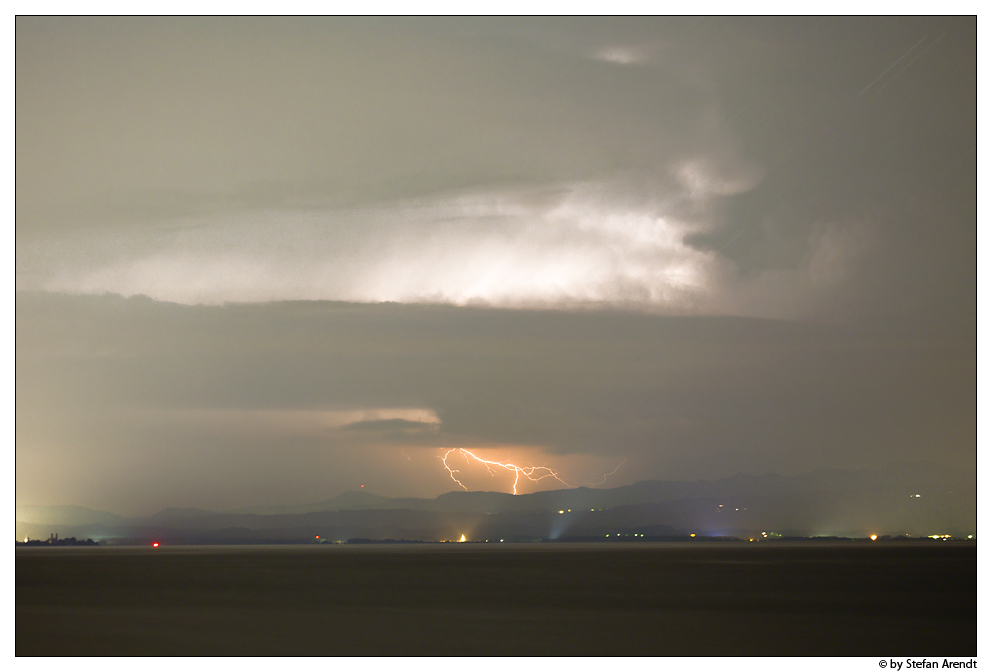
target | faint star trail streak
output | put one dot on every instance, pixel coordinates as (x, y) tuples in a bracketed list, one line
[(896, 63), (881, 88)]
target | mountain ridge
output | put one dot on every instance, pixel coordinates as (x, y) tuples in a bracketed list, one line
[(915, 498)]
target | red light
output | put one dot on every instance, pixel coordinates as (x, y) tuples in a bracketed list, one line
[(363, 485), (155, 545)]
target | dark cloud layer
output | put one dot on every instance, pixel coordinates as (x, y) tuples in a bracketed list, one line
[(164, 386)]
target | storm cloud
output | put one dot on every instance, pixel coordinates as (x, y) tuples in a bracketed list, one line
[(260, 260)]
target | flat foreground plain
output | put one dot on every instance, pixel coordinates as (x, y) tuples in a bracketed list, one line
[(707, 599)]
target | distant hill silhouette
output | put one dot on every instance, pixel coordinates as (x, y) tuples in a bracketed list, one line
[(824, 502), (179, 514)]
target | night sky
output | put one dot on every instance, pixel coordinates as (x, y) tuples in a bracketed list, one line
[(265, 261)]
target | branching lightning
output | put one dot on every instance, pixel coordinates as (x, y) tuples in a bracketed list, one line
[(527, 472), (606, 476)]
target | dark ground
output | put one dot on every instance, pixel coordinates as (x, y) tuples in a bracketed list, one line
[(714, 599)]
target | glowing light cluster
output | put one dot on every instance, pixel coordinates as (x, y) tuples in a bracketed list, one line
[(531, 473)]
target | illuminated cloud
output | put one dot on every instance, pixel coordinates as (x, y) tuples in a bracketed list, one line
[(583, 245), (704, 179), (287, 423), (390, 425), (624, 55)]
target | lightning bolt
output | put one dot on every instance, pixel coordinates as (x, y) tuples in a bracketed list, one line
[(606, 476), (492, 465)]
